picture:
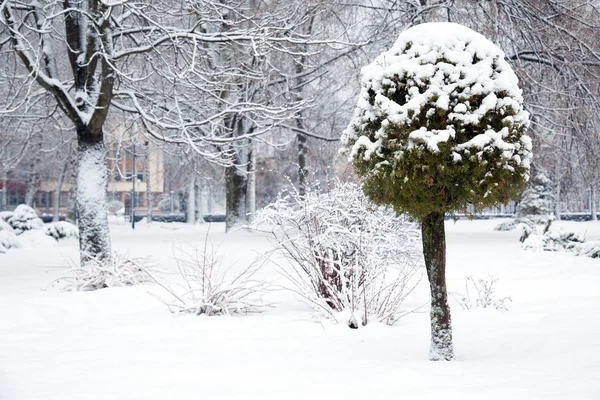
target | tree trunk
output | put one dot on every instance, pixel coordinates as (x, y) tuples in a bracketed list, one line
[(72, 202), (302, 165), (199, 216), (557, 201), (59, 183), (32, 187), (149, 196), (593, 208), (251, 194), (4, 205), (92, 182), (434, 250), (209, 200), (236, 182), (191, 200)]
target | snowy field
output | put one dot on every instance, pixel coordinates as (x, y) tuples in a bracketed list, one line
[(122, 343)]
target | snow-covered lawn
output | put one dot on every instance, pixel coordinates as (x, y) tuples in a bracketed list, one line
[(122, 343)]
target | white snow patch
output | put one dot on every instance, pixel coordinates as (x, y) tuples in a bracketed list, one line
[(121, 344)]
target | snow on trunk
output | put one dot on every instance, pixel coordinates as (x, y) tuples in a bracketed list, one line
[(434, 250), (92, 182), (191, 200)]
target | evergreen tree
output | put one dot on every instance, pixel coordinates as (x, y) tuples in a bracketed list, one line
[(439, 125), (538, 199)]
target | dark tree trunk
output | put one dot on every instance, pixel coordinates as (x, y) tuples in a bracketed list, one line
[(236, 181), (4, 205), (434, 250), (302, 165), (72, 198), (236, 177), (92, 181), (149, 196), (190, 204)]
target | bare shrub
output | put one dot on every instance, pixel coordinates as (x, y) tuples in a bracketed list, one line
[(210, 288), (480, 293), (119, 270), (346, 254)]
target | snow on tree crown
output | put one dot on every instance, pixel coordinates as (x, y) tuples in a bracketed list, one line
[(439, 123)]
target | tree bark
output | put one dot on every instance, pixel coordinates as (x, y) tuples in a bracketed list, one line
[(33, 179), (557, 201), (92, 182), (236, 181), (191, 200), (199, 216), (593, 208), (149, 197), (434, 250), (72, 199), (236, 178), (302, 164), (251, 190), (4, 205)]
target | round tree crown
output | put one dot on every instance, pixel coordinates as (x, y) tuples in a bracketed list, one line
[(439, 123)]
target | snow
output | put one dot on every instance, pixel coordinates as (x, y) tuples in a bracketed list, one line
[(122, 343)]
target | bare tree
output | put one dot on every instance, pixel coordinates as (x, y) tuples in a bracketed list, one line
[(158, 60)]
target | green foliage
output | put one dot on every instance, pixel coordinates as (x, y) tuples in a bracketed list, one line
[(425, 139)]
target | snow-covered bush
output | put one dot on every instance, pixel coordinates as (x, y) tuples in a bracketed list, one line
[(560, 240), (8, 239), (119, 270), (115, 207), (538, 199), (535, 210), (589, 249), (164, 205), (61, 230), (5, 215), (480, 293), (506, 225), (550, 240), (24, 219), (346, 254), (210, 288)]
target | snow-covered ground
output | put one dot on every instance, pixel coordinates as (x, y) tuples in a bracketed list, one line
[(122, 343)]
